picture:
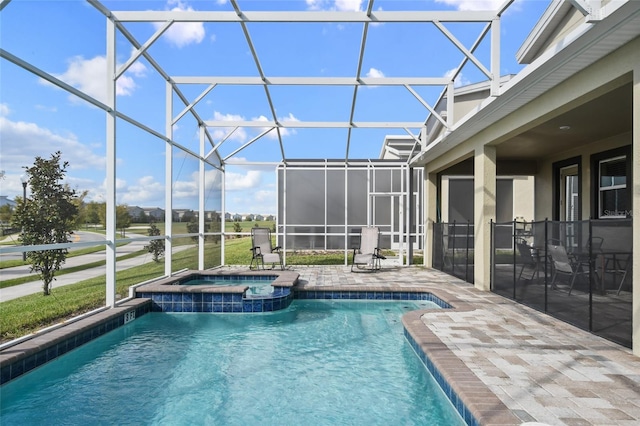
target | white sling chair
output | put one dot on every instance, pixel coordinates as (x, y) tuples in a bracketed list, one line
[(262, 250), (368, 255)]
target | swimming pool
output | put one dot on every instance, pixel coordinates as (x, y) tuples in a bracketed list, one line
[(317, 362), (256, 285), (220, 290)]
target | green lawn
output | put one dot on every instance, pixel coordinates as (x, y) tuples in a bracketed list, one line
[(27, 314)]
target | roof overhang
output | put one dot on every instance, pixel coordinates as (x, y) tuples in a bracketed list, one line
[(580, 49)]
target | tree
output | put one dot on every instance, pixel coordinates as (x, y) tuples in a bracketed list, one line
[(188, 216), (48, 217), (5, 217), (94, 212), (155, 247), (142, 217), (193, 227), (123, 218), (237, 228), (81, 218)]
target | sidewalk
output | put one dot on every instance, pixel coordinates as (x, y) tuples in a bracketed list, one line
[(21, 290)]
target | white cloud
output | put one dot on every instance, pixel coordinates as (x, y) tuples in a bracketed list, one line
[(374, 73), (221, 2), (4, 110), (219, 133), (23, 141), (284, 131), (349, 5), (145, 189), (238, 181), (288, 131), (181, 34), (90, 76), (343, 5), (459, 81), (473, 4)]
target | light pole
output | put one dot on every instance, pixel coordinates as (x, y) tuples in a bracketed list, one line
[(24, 179)]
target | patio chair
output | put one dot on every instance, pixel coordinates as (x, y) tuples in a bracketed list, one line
[(528, 259), (368, 255), (563, 264), (262, 249)]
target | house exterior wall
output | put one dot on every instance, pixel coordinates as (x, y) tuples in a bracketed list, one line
[(544, 179), (523, 197), (613, 71)]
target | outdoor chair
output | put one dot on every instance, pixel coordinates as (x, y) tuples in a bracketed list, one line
[(563, 264), (368, 255), (262, 249), (529, 259), (618, 264)]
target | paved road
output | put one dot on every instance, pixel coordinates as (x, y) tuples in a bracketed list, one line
[(78, 236), (14, 292)]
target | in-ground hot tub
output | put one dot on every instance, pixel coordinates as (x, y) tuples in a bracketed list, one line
[(221, 291)]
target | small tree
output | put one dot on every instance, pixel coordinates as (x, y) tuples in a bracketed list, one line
[(49, 217), (237, 228), (155, 247), (95, 211), (5, 217), (193, 227), (123, 219)]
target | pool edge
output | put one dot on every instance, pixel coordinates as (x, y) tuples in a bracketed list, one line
[(29, 354), (476, 403)]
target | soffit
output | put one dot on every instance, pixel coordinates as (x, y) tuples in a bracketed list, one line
[(593, 42)]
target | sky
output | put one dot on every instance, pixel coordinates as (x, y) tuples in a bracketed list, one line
[(67, 39)]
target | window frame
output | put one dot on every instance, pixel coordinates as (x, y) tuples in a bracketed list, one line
[(596, 188)]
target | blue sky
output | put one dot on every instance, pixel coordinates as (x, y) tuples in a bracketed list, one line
[(67, 40)]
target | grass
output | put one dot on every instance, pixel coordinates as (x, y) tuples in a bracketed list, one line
[(27, 314), (73, 253), (36, 277)]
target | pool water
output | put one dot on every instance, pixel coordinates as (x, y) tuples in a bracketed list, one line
[(316, 363), (227, 281), (257, 286)]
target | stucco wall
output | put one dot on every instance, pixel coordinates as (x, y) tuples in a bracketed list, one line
[(544, 178)]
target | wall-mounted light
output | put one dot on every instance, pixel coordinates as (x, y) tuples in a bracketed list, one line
[(564, 127)]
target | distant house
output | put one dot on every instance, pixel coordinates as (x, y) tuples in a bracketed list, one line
[(155, 213), (258, 217), (270, 217), (248, 217), (135, 211)]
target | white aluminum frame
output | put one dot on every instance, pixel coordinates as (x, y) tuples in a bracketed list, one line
[(209, 153)]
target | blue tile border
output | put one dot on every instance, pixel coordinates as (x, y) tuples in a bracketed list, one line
[(33, 353), (370, 295), (281, 298), (448, 390)]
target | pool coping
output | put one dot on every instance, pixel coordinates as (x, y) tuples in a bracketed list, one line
[(45, 346), (285, 279)]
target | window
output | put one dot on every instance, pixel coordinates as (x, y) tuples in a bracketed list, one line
[(612, 178)]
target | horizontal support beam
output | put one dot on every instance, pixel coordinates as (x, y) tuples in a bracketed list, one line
[(315, 81), (302, 16), (316, 124)]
